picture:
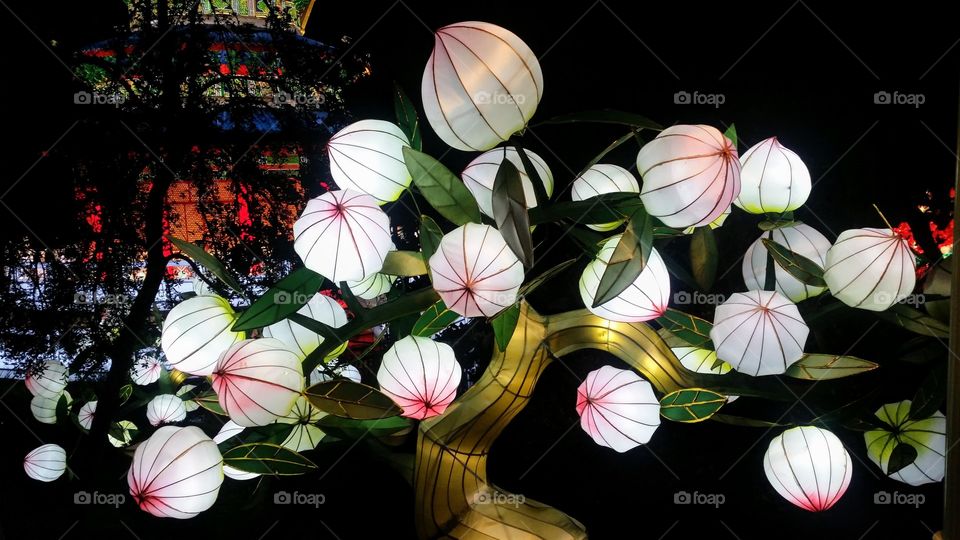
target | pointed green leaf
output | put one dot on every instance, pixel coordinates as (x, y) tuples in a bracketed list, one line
[(694, 330), (284, 298), (351, 429), (822, 367), (267, 458), (629, 257), (930, 395), (407, 117), (434, 319), (538, 187), (915, 321), (404, 263), (903, 455), (703, 257), (349, 399), (604, 208), (532, 285), (798, 266), (209, 401), (510, 212), (613, 146), (504, 324), (441, 188), (430, 236), (731, 133), (208, 261), (691, 405)]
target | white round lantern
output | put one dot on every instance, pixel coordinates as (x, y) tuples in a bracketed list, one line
[(600, 179), (44, 409), (475, 272), (645, 299), (342, 235), (86, 413), (305, 435), (372, 286), (257, 381), (481, 85), (481, 173), (759, 332), (300, 339), (690, 173), (773, 179), (121, 434), (809, 467), (927, 436), (45, 463), (47, 380), (420, 375), (228, 430), (700, 360), (367, 156), (146, 371), (196, 331), (165, 409), (870, 269), (799, 238), (176, 473), (617, 408)]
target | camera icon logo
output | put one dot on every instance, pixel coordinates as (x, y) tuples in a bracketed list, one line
[(682, 98), (881, 497), (282, 298), (881, 98), (82, 98), (81, 497), (281, 497), (681, 497)]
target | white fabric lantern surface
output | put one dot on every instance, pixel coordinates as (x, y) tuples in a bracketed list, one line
[(86, 413), (176, 473), (870, 269), (690, 173), (481, 173), (617, 408), (196, 331), (475, 272), (480, 86), (372, 286), (927, 436), (799, 238), (367, 156), (809, 467), (44, 409), (230, 429), (47, 380), (300, 339), (121, 434), (45, 463), (342, 235), (759, 332), (146, 371), (700, 360), (305, 435), (257, 381), (420, 375), (600, 179), (645, 299), (773, 179), (165, 409)]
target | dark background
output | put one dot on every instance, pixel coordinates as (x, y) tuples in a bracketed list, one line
[(806, 72)]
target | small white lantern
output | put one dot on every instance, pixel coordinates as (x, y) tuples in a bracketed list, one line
[(122, 433), (600, 179), (229, 429), (257, 381), (47, 380), (176, 473), (773, 179), (300, 339), (481, 85), (44, 409), (481, 173), (645, 299), (700, 360), (617, 408), (345, 371), (475, 272), (196, 331), (759, 332), (870, 269), (690, 173), (799, 238), (809, 467), (421, 375), (165, 409), (45, 463), (342, 235), (305, 435), (927, 436), (146, 371), (86, 413), (372, 286), (367, 156)]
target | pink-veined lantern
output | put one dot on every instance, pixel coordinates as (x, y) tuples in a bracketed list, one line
[(165, 409), (47, 380), (45, 463), (257, 381), (809, 467), (617, 408), (146, 371), (420, 375)]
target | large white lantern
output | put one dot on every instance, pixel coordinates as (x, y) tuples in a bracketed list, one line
[(645, 299), (86, 413), (367, 156), (176, 473), (165, 409), (759, 332), (773, 179), (475, 272), (372, 286), (691, 174), (146, 371), (257, 381), (870, 269), (44, 409), (481, 173), (799, 238), (809, 467), (927, 436), (617, 408), (305, 434), (481, 85), (600, 179), (300, 339), (196, 331), (420, 375), (342, 235), (45, 463), (700, 360), (47, 380), (228, 430)]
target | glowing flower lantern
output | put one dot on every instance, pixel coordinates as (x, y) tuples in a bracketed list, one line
[(342, 235), (47, 380), (475, 272), (481, 173), (305, 435), (870, 269), (481, 85), (367, 156), (45, 463), (257, 381), (645, 299), (759, 332), (600, 179), (927, 436), (228, 430), (165, 409), (420, 375), (690, 173), (773, 179), (809, 467), (146, 371), (372, 286), (700, 360), (799, 238), (196, 331), (176, 473), (121, 434), (617, 408), (86, 413), (300, 339), (44, 409)]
